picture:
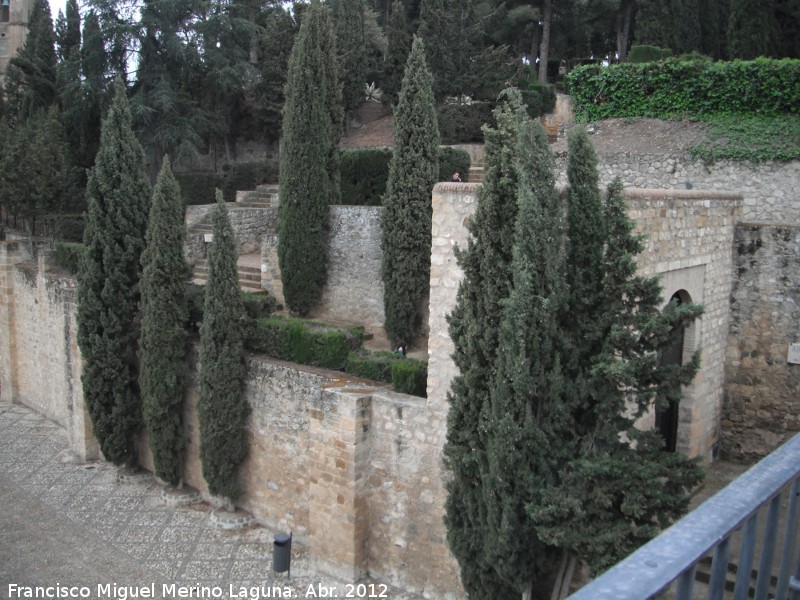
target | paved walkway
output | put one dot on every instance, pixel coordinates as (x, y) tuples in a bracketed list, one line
[(70, 523)]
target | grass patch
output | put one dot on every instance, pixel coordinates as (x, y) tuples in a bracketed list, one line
[(754, 138)]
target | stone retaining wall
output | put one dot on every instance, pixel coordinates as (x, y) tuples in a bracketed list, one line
[(770, 190), (762, 395)]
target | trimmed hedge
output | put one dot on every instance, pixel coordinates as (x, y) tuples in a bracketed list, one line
[(302, 342), (199, 187), (461, 123), (407, 375), (68, 255), (364, 172), (645, 54), (675, 88)]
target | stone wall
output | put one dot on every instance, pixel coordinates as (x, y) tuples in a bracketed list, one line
[(249, 225), (40, 364), (689, 240), (770, 190), (762, 396)]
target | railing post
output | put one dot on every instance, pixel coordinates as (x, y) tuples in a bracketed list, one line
[(789, 539)]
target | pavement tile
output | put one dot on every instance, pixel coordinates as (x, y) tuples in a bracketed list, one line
[(205, 570)]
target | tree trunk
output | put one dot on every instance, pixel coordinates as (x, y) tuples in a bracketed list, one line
[(564, 575), (535, 43), (544, 51), (528, 593), (624, 29)]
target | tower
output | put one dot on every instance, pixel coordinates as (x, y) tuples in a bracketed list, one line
[(14, 15)]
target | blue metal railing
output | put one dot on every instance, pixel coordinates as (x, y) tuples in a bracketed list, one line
[(729, 518)]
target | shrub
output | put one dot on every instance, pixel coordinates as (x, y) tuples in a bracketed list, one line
[(376, 366), (452, 160), (645, 54), (68, 255), (258, 305), (410, 376), (461, 123), (242, 176), (303, 342), (363, 175), (539, 99), (198, 187)]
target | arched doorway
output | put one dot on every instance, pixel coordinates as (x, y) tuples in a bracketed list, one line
[(671, 354)]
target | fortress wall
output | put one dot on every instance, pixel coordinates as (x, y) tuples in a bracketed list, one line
[(770, 190), (762, 395), (689, 246)]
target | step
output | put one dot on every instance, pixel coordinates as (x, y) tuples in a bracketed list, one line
[(703, 575)]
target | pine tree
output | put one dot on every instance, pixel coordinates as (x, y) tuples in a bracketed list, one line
[(162, 349), (351, 52), (473, 326), (527, 416), (312, 122), (222, 409), (406, 217), (396, 54), (118, 195)]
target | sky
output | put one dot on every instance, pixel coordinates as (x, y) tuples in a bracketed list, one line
[(56, 5)]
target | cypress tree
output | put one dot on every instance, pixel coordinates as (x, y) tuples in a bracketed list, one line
[(312, 122), (118, 195), (436, 30), (399, 40), (162, 349), (473, 327), (527, 416), (406, 217), (619, 488), (222, 409)]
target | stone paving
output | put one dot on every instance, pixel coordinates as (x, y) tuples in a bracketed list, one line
[(166, 545)]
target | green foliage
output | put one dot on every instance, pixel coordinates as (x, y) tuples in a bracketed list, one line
[(473, 327), (69, 255), (462, 123), (258, 305), (410, 376), (751, 138), (222, 409), (162, 347), (453, 160), (527, 420), (376, 366), (399, 45), (406, 217), (539, 99), (643, 53), (364, 172), (199, 187), (312, 122), (275, 41), (303, 342), (351, 52), (750, 28), (678, 88), (118, 195)]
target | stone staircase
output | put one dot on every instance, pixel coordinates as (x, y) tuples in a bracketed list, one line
[(248, 267), (476, 170), (264, 196), (703, 575)]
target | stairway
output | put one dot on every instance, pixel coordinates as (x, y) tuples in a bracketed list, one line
[(264, 196), (248, 267), (476, 169), (703, 575)]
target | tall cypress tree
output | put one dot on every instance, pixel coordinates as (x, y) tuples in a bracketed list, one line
[(118, 195), (749, 28), (312, 122), (162, 349), (222, 409), (406, 217), (473, 326), (527, 416)]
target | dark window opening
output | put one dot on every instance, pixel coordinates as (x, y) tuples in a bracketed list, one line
[(672, 354), (5, 11)]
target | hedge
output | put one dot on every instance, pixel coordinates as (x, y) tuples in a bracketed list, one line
[(364, 172), (199, 187), (676, 88), (302, 342), (539, 99), (407, 375), (645, 54), (68, 255), (256, 305)]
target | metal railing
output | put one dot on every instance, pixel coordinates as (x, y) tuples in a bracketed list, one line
[(668, 564)]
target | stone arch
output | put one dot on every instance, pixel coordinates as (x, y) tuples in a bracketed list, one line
[(674, 352)]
